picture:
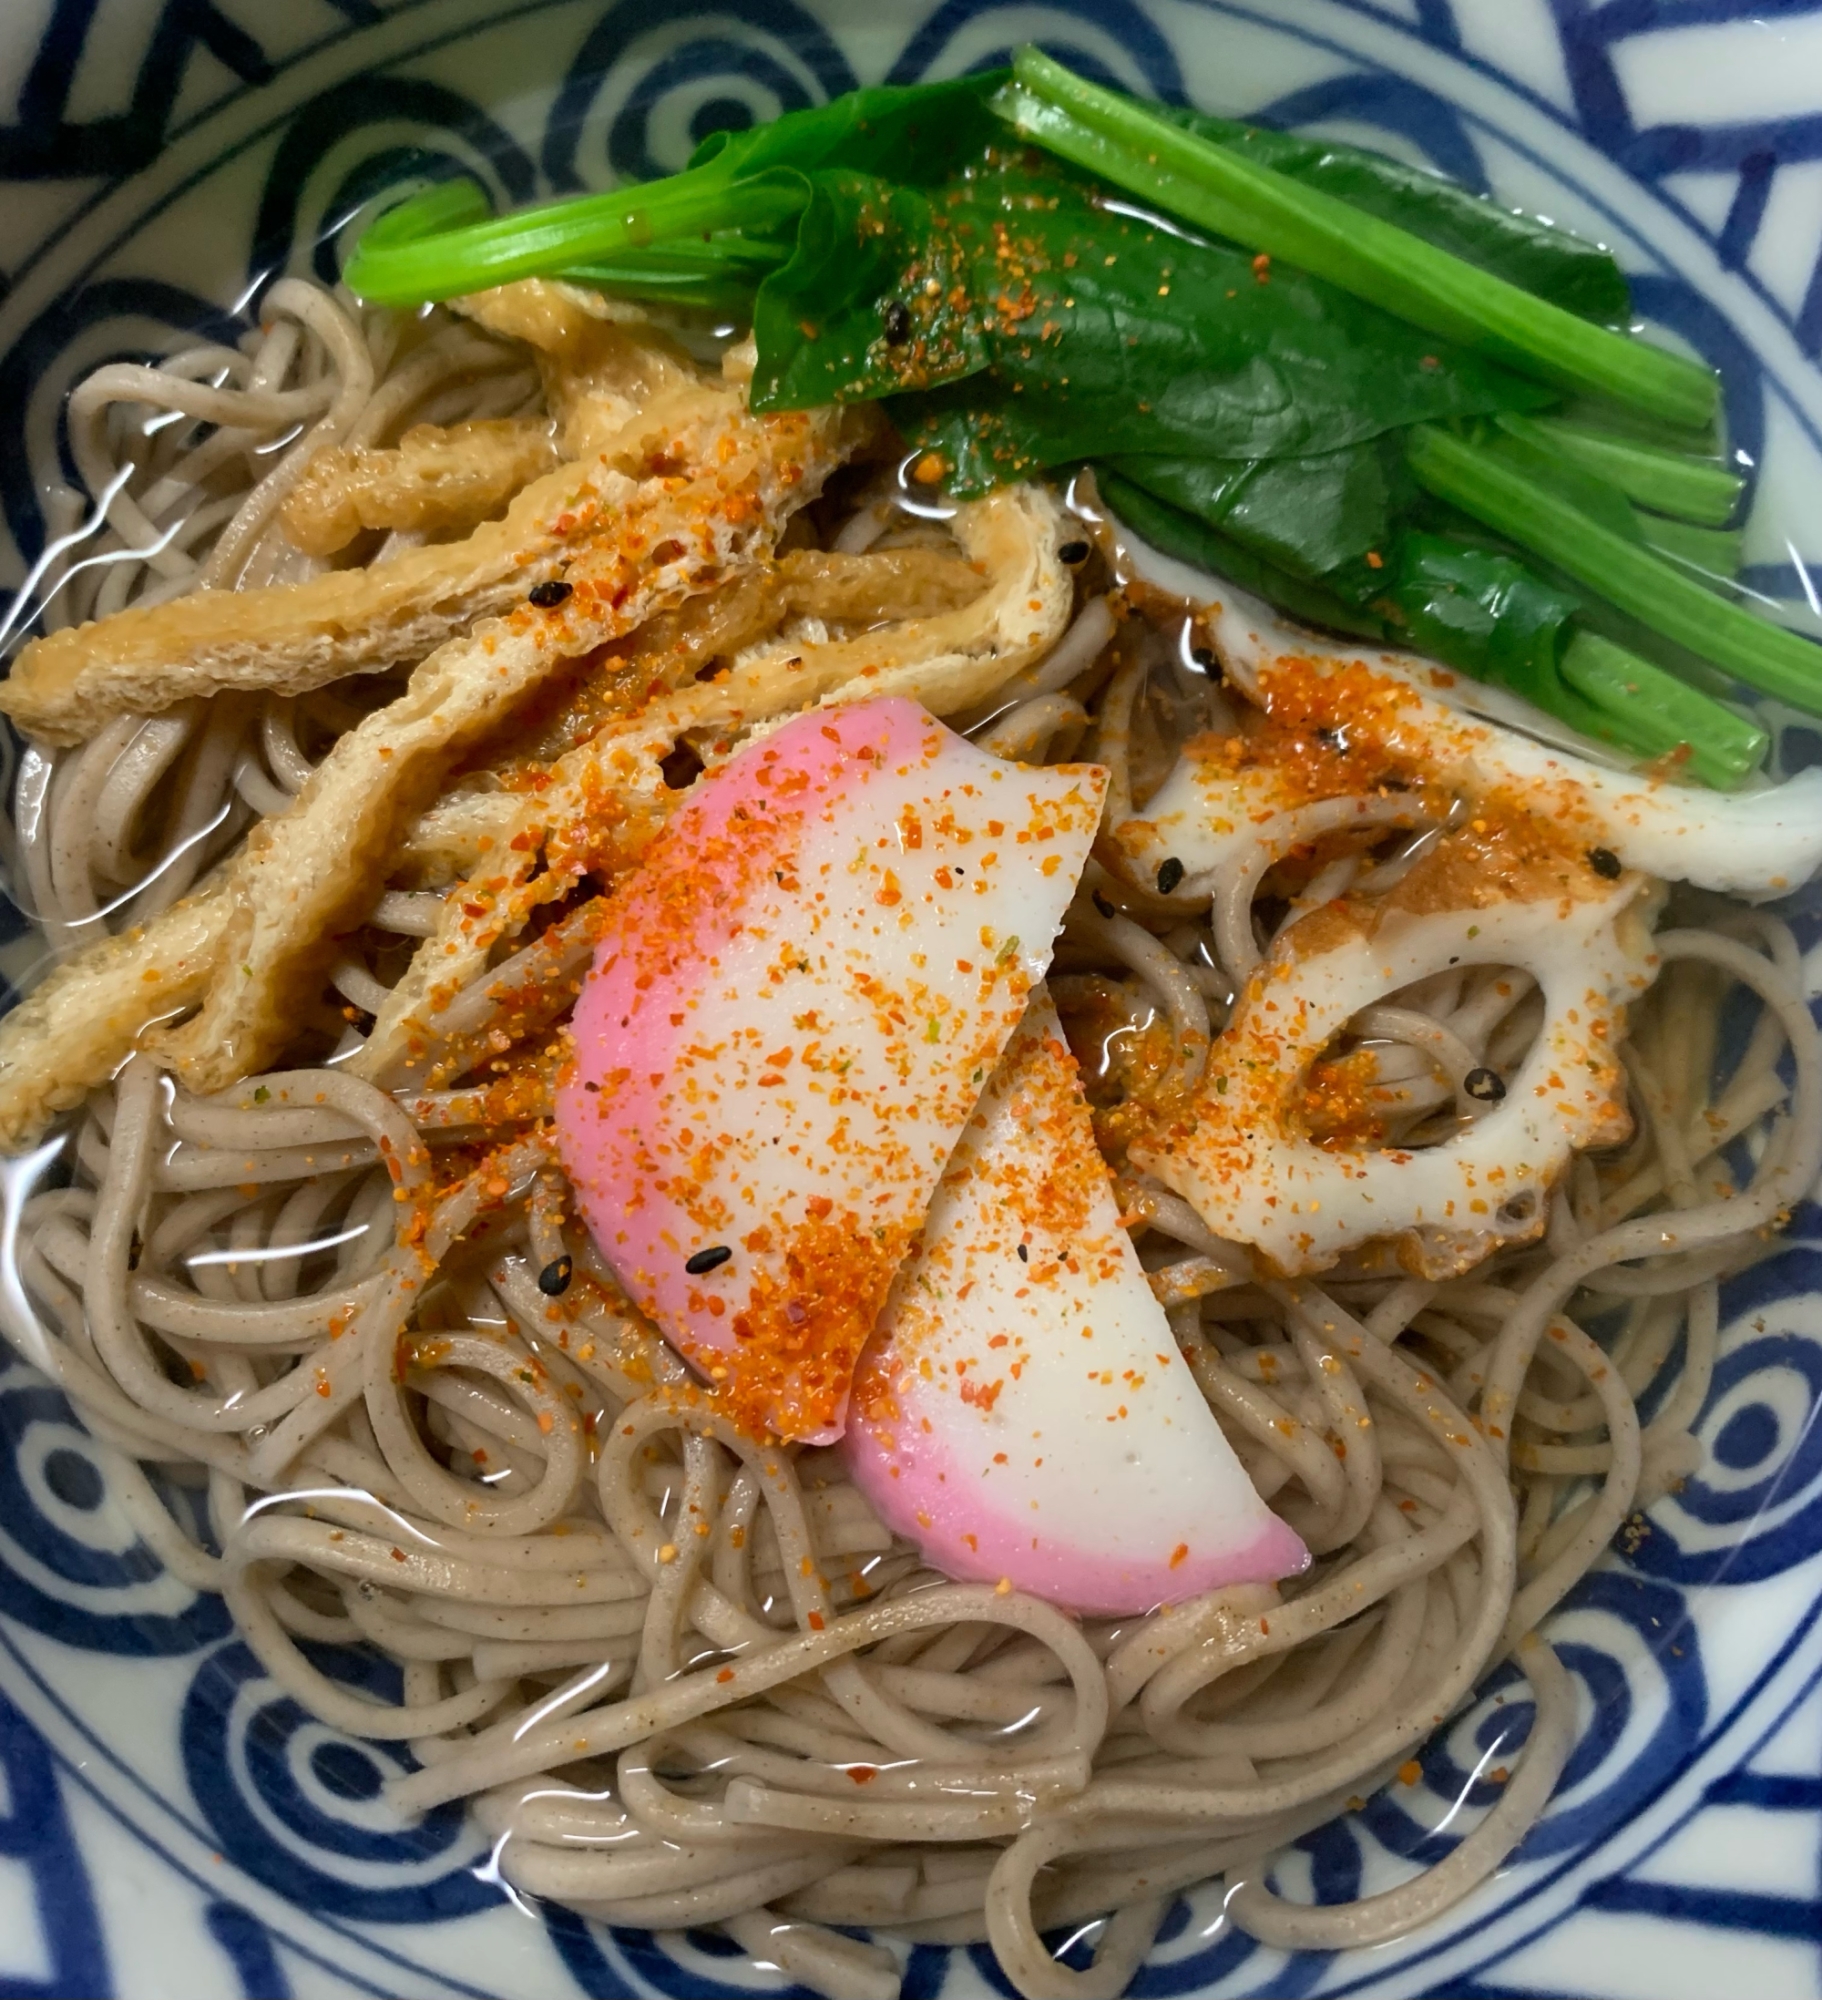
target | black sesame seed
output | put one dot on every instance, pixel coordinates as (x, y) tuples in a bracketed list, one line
[(1204, 657), (1330, 739), (1170, 873), (1073, 553), (547, 596), (897, 317), (1024, 1255), (1485, 1086), (1103, 905), (1605, 863), (553, 1280), (708, 1260)]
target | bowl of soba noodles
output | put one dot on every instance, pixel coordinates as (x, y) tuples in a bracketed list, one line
[(908, 1081)]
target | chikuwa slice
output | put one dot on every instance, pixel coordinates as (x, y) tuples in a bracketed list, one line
[(1343, 720), (1022, 1412), (799, 997)]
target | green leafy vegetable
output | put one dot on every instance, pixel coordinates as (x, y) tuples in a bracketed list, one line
[(1488, 616), (1661, 716), (717, 274), (1312, 516), (1348, 413), (918, 135), (419, 258), (1514, 444), (1194, 542), (1696, 488), (1710, 554), (1486, 484), (1215, 188), (753, 184), (1107, 333), (1541, 259), (1482, 612)]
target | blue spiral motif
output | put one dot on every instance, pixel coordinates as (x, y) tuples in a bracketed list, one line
[(71, 1564), (1636, 1652), (1754, 1507), (645, 92), (36, 1837), (609, 1962), (298, 1805), (361, 140), (1113, 41)]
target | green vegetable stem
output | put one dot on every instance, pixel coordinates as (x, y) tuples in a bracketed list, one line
[(1698, 489), (1217, 189), (1485, 614), (424, 255), (1482, 482), (1536, 256), (741, 190)]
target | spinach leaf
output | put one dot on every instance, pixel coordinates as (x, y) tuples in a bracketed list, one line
[(1482, 612), (1110, 333), (1567, 270), (876, 297), (1194, 541), (918, 135), (1312, 516), (1212, 187)]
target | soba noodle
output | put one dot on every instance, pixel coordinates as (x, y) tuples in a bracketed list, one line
[(684, 1677)]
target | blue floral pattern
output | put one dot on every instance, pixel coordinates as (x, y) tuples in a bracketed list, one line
[(136, 1733)]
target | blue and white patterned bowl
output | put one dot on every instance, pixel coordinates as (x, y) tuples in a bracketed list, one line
[(172, 1825)]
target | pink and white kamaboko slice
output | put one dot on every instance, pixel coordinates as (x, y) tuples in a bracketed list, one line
[(797, 1002), (1022, 1412)]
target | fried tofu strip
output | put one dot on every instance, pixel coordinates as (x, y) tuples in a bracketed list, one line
[(437, 477), (577, 335), (679, 646), (657, 540), (875, 588), (947, 662), (289, 638), (605, 798), (74, 1030), (953, 659), (245, 945)]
